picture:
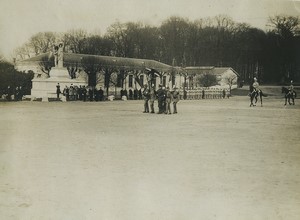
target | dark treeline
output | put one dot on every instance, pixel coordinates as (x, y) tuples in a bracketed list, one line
[(272, 56), (13, 78)]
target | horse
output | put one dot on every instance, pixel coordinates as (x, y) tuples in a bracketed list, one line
[(289, 95), (254, 94)]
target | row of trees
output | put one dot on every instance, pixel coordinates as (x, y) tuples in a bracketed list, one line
[(272, 56), (13, 78)]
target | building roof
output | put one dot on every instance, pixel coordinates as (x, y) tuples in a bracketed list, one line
[(121, 62), (198, 70)]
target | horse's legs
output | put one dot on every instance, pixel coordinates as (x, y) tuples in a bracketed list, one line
[(261, 100), (255, 100), (251, 101), (285, 100)]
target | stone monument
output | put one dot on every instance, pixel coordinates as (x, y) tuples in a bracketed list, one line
[(46, 87)]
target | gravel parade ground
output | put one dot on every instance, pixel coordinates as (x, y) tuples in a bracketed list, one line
[(215, 159)]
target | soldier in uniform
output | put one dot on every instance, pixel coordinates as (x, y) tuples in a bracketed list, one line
[(175, 95), (91, 94), (152, 98), (168, 101), (291, 88), (66, 93), (84, 91), (101, 92), (57, 90), (255, 85), (146, 96), (20, 93), (160, 99)]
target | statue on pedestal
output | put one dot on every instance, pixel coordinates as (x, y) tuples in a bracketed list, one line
[(58, 55)]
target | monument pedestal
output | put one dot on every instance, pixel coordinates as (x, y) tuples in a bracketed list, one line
[(59, 72), (46, 87)]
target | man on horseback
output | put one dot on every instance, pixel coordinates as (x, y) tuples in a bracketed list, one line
[(291, 89), (255, 92), (256, 85)]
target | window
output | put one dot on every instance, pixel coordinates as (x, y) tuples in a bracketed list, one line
[(130, 80), (164, 81), (142, 79)]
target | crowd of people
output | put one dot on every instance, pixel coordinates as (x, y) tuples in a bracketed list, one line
[(82, 93), (13, 94), (205, 93), (164, 97)]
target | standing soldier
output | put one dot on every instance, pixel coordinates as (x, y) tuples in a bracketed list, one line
[(101, 92), (168, 101), (160, 99), (84, 93), (9, 93), (57, 91), (66, 92), (152, 98), (17, 93), (175, 99), (203, 93), (80, 92), (146, 96), (91, 94), (20, 93)]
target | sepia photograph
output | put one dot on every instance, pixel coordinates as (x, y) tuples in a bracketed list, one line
[(150, 110)]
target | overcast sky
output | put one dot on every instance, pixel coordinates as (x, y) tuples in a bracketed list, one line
[(20, 19)]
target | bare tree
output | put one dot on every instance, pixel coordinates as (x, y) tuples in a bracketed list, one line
[(42, 42), (23, 52), (74, 40), (46, 64), (285, 26), (230, 80), (91, 66)]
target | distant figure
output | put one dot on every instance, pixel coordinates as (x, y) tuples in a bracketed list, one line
[(121, 92), (291, 88), (101, 92), (223, 93), (152, 98), (91, 94), (57, 90), (9, 93), (175, 99), (203, 93), (84, 91), (66, 93), (168, 101), (255, 85), (146, 96), (160, 98)]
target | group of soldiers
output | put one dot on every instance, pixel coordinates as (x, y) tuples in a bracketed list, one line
[(206, 93), (164, 97), (82, 93), (13, 94)]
